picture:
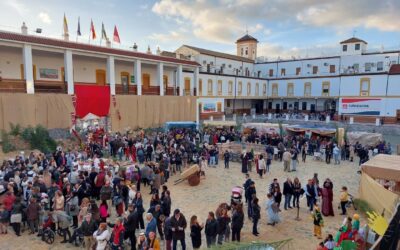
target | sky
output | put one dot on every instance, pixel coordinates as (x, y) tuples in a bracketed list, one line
[(284, 28)]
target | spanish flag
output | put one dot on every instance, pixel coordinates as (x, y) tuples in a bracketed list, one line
[(92, 31), (65, 25)]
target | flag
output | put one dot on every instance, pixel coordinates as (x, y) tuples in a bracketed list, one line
[(92, 31), (103, 32), (78, 32), (116, 35), (65, 25)]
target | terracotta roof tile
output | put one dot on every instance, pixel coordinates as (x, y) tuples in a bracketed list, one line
[(246, 37), (93, 48), (353, 40)]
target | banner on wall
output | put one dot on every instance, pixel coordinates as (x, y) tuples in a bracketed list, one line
[(48, 73), (360, 106), (209, 107)]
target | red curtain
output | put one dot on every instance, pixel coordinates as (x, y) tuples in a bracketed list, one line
[(92, 99)]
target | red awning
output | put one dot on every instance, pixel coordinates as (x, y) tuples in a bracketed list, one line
[(92, 99)]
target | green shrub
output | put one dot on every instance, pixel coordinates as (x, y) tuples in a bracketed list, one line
[(362, 205), (39, 138), (6, 144), (15, 129)]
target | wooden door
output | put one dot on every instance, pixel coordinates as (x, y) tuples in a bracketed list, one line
[(100, 77), (187, 86), (146, 81), (219, 107), (125, 82)]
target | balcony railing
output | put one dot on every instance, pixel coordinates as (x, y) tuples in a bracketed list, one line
[(12, 85), (42, 86)]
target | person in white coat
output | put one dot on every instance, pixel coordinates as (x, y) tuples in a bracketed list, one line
[(102, 236), (262, 166)]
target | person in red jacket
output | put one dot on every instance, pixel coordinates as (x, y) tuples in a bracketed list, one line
[(117, 236)]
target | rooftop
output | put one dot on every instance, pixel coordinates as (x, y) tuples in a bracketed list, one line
[(10, 36), (220, 54), (246, 38), (353, 40)]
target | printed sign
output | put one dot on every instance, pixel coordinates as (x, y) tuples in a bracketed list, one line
[(209, 107), (48, 73), (132, 79), (360, 106)]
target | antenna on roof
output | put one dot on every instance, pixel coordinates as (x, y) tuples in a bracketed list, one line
[(354, 32)]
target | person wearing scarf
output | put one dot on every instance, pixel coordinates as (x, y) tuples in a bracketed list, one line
[(117, 237), (102, 236)]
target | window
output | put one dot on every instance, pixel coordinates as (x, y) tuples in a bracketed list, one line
[(379, 66), (264, 89), (219, 87), (325, 88), (357, 46), (315, 70), (275, 89), (247, 51), (284, 105), (271, 72), (367, 67), (344, 48), (304, 106), (269, 105), (332, 69), (230, 87), (298, 70), (283, 72), (364, 86), (240, 88), (257, 89), (241, 51), (356, 67), (307, 89), (228, 103), (200, 87), (210, 87), (296, 106), (248, 88), (290, 89)]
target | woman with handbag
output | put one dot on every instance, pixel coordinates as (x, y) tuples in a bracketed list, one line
[(16, 216)]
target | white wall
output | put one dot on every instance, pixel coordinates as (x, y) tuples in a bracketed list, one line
[(48, 61), (10, 62), (85, 68), (394, 85), (299, 84), (350, 85)]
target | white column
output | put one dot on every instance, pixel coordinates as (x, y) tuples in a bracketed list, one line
[(180, 80), (138, 76), (111, 74), (160, 78), (196, 81), (69, 71), (28, 68)]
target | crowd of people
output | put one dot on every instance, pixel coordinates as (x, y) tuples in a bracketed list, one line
[(98, 202)]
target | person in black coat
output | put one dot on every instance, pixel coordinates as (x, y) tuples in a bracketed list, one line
[(211, 229), (288, 191), (178, 225), (255, 215), (195, 232), (131, 223), (249, 194), (237, 222), (223, 222)]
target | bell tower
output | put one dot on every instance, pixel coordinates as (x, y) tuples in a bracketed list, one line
[(246, 46)]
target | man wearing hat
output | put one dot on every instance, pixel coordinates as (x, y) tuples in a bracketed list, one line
[(178, 226)]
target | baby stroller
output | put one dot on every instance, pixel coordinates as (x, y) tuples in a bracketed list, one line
[(236, 197), (350, 203)]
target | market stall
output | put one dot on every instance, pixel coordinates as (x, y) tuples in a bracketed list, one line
[(264, 128)]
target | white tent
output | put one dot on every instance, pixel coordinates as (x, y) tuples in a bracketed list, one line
[(90, 116)]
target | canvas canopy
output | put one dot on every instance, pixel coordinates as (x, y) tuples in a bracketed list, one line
[(385, 167), (313, 129), (220, 123), (90, 116), (269, 128), (365, 138)]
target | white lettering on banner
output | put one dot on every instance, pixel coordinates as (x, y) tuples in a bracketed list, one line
[(360, 106)]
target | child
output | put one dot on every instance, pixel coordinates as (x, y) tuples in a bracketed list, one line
[(3, 220), (318, 222), (329, 243), (103, 210), (356, 222), (344, 198)]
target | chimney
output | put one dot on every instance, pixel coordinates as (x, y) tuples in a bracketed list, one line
[(158, 50), (148, 50), (135, 47), (24, 29), (108, 43), (66, 36)]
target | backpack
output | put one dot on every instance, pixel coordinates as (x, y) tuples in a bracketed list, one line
[(100, 179)]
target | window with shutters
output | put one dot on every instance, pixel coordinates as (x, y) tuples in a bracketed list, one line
[(325, 88), (230, 87), (210, 87), (240, 88), (219, 87), (290, 89), (307, 89), (248, 88), (257, 89), (275, 89), (264, 89)]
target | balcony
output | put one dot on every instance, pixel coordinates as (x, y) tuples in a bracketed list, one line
[(42, 86), (125, 90), (12, 85)]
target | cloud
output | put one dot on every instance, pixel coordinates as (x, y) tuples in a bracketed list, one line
[(19, 7), (273, 51), (167, 37), (45, 18)]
